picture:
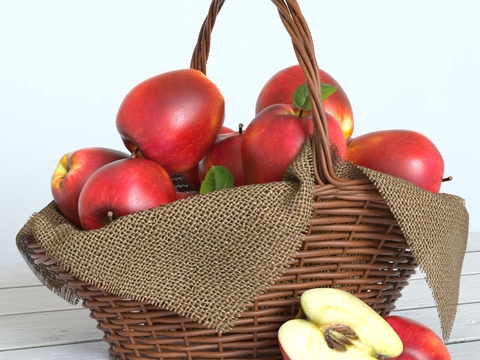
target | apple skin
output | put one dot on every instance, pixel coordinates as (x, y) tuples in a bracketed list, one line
[(185, 195), (405, 154), (71, 173), (274, 138), (191, 176), (172, 118), (336, 137), (227, 152), (226, 130), (419, 341), (123, 187), (334, 324), (280, 87), (271, 141)]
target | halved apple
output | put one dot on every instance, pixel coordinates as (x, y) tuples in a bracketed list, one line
[(334, 324)]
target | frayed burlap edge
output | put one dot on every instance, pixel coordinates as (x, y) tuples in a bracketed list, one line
[(203, 257), (436, 230)]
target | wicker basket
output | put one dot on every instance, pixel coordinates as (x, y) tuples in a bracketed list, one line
[(353, 243)]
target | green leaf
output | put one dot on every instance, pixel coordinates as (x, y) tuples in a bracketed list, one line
[(218, 177), (327, 90), (301, 99)]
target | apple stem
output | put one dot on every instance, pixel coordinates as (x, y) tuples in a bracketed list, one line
[(449, 178), (240, 128), (109, 216)]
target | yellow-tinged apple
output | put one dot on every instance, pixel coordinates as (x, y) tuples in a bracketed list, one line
[(337, 325), (71, 173)]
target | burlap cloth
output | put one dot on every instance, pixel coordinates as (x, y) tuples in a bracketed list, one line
[(206, 256)]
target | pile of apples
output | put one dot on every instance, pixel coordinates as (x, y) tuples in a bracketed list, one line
[(172, 124)]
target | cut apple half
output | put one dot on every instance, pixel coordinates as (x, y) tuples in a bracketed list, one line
[(334, 324)]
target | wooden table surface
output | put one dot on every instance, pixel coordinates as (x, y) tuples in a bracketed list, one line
[(37, 324)]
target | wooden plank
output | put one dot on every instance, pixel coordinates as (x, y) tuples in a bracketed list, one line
[(464, 351), (17, 276), (418, 295), (47, 329), (31, 300), (97, 350), (473, 241)]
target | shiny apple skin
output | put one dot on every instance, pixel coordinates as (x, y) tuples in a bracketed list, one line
[(123, 187), (419, 341), (271, 141), (280, 87), (275, 137), (405, 154), (227, 152), (71, 173), (172, 118), (336, 137)]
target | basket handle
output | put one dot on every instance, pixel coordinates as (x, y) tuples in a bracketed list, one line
[(296, 26)]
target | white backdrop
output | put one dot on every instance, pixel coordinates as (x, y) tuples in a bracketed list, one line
[(65, 66)]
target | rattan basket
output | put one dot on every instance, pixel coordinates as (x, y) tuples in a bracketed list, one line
[(353, 243)]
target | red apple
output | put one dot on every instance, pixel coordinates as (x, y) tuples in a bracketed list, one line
[(226, 130), (336, 137), (191, 176), (121, 188), (271, 141), (172, 118), (275, 137), (184, 195), (71, 173), (402, 153), (226, 151), (281, 86), (419, 341)]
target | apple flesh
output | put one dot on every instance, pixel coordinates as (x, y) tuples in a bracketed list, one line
[(334, 324), (419, 341), (280, 87), (71, 173), (402, 153), (172, 118), (121, 188), (226, 151)]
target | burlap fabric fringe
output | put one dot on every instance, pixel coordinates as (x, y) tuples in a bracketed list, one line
[(206, 256), (203, 257)]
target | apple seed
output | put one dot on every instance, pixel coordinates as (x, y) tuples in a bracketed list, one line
[(338, 337)]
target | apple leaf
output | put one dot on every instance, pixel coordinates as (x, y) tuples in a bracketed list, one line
[(218, 177), (328, 90), (301, 99)]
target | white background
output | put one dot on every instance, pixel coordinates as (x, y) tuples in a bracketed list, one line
[(65, 67)]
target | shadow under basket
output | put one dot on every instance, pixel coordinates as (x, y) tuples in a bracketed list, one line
[(353, 243)]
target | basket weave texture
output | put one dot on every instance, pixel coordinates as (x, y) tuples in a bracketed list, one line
[(328, 224)]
